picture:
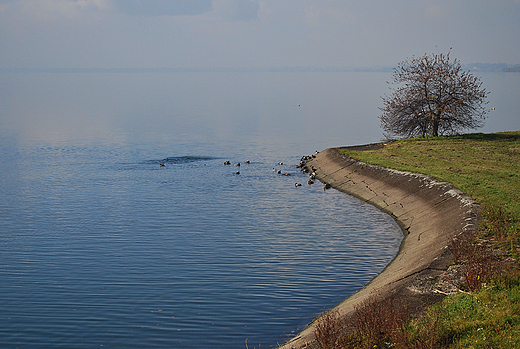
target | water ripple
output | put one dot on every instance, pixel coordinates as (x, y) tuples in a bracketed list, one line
[(103, 247)]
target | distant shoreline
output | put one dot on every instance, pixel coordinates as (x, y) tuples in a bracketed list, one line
[(431, 213), (479, 67), (202, 70)]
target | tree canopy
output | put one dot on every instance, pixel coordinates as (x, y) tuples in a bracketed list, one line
[(433, 97)]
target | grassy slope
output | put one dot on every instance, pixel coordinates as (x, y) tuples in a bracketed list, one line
[(486, 167)]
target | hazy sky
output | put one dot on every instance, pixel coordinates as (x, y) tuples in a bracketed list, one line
[(252, 33)]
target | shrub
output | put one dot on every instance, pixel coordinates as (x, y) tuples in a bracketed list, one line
[(328, 329)]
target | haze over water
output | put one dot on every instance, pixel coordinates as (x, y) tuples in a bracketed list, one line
[(102, 246)]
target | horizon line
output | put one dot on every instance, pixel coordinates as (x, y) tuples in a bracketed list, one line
[(199, 69), (280, 69)]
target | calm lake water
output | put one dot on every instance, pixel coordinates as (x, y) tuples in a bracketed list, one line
[(101, 246)]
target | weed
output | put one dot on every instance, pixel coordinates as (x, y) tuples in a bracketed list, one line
[(380, 323), (477, 258), (496, 222), (425, 335), (380, 319), (328, 329)]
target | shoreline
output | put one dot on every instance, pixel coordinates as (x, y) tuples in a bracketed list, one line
[(430, 212)]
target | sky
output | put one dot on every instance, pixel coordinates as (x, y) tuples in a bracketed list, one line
[(253, 33)]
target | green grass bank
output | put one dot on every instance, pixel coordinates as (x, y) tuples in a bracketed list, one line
[(486, 312)]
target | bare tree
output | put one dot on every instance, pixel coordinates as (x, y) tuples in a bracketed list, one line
[(434, 97)]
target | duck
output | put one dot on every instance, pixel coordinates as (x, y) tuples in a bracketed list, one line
[(227, 162), (326, 186), (297, 184), (161, 165), (310, 181), (237, 164), (247, 162)]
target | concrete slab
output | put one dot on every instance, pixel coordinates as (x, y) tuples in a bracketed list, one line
[(430, 212)]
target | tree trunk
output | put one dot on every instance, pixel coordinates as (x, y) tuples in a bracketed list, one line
[(435, 128)]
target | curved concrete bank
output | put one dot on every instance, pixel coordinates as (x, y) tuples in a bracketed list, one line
[(430, 213)]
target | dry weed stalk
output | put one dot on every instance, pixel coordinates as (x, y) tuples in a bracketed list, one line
[(381, 319), (478, 259), (328, 329)]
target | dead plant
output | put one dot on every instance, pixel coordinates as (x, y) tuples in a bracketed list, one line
[(328, 329), (380, 320), (477, 257)]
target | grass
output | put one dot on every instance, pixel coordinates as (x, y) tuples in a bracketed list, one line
[(489, 318), (486, 312)]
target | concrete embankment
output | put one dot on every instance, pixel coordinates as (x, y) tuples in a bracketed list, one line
[(431, 213)]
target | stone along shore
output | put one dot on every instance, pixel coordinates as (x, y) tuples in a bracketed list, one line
[(431, 213)]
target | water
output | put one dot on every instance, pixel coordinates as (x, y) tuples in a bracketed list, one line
[(101, 246)]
